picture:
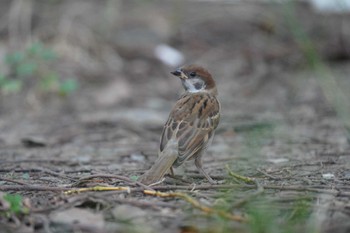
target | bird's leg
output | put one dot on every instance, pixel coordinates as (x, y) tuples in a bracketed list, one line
[(172, 171), (198, 163)]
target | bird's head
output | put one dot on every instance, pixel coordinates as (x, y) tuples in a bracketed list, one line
[(196, 79)]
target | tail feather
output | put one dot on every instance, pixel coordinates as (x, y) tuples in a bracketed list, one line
[(162, 165)]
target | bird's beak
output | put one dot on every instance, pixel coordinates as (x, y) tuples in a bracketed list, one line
[(179, 73)]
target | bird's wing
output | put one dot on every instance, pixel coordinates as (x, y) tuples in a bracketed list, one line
[(191, 122)]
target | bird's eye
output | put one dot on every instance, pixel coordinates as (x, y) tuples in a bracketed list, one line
[(193, 74)]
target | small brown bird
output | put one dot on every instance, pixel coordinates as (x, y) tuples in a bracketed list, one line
[(190, 126)]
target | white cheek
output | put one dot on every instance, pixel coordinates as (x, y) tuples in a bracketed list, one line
[(191, 88)]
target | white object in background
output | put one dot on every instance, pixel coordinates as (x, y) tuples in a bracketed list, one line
[(278, 160), (331, 6), (169, 55), (328, 176)]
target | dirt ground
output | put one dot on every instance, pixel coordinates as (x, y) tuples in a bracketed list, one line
[(282, 74)]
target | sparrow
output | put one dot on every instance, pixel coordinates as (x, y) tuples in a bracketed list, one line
[(190, 127)]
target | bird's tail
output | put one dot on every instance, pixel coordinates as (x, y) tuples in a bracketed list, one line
[(164, 162)]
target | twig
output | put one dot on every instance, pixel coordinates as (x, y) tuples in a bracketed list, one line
[(268, 175), (315, 189), (183, 196), (38, 169), (97, 188), (215, 177), (239, 177), (119, 177), (136, 202), (197, 205), (273, 177), (202, 187), (13, 181), (101, 175), (56, 174), (31, 188), (35, 161)]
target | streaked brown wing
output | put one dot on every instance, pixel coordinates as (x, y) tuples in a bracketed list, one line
[(192, 121)]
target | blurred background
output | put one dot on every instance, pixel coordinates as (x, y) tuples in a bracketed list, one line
[(120, 52), (90, 81)]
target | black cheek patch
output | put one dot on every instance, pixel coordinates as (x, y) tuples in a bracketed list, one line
[(198, 86)]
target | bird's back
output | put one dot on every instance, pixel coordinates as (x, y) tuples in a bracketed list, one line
[(191, 122)]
